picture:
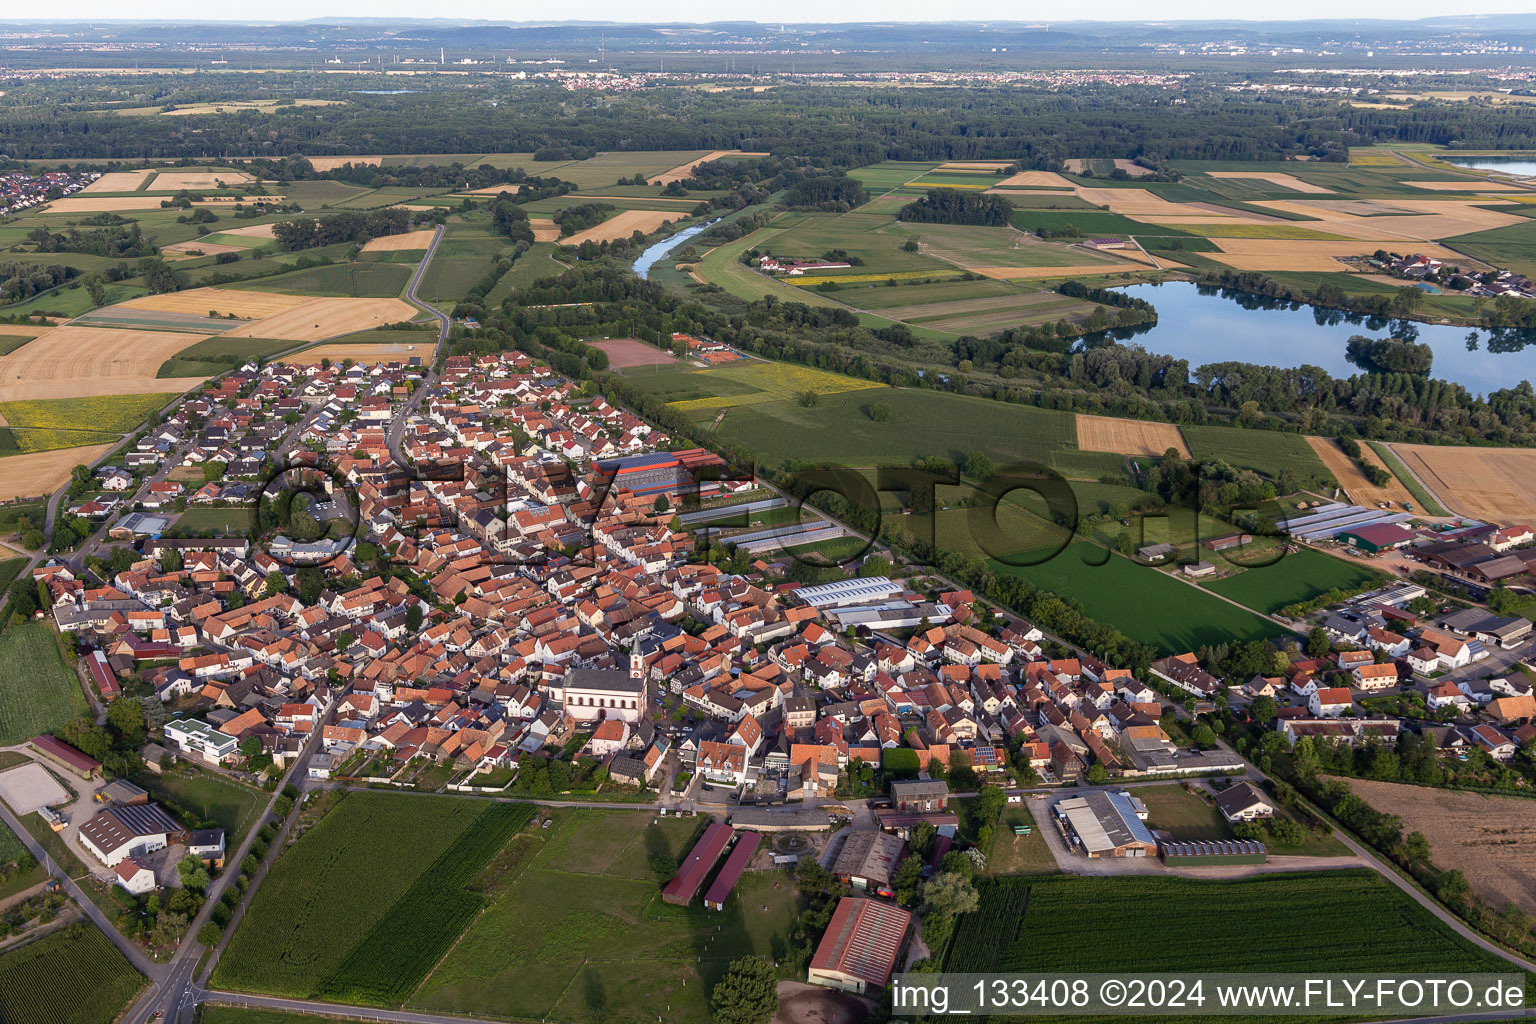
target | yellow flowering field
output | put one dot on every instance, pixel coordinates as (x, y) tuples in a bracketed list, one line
[(34, 439), (773, 382), (115, 414)]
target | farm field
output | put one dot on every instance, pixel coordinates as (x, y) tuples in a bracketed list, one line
[(1352, 479), (70, 362), (405, 241), (1297, 576), (42, 473), (38, 691), (1488, 838), (1425, 501), (1145, 604), (1310, 255), (1266, 451), (241, 303), (296, 937), (1128, 437), (758, 381), (1496, 484), (685, 170), (623, 224), (114, 414), (216, 355), (593, 884), (1320, 919), (356, 280), (72, 976), (320, 319), (721, 266)]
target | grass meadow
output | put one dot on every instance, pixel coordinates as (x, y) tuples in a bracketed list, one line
[(38, 691)]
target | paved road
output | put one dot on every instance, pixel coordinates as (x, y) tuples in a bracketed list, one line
[(429, 380), (332, 1009), (134, 954)]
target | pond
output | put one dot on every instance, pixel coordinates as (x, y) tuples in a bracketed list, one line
[(1523, 166), (651, 256), (1206, 325)]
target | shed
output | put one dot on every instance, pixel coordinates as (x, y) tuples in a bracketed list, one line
[(731, 872)]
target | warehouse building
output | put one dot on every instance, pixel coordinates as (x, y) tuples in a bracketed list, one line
[(859, 949), (1106, 825), (1210, 853)]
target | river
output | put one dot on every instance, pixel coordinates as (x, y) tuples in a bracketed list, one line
[(1204, 325), (651, 256)]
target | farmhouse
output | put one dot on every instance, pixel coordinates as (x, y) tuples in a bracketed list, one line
[(1244, 802), (135, 876), (119, 832), (859, 949), (920, 797), (1106, 825)]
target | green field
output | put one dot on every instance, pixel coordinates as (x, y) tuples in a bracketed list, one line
[(1298, 576), (72, 976), (216, 355), (1323, 921), (721, 266), (1266, 451), (1187, 816), (11, 342), (578, 932), (8, 570), (1143, 603), (376, 280), (371, 849), (38, 692), (210, 796)]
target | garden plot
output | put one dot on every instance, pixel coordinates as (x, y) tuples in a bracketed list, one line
[(29, 787), (1281, 179), (1128, 437)]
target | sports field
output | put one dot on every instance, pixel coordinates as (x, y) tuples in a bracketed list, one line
[(627, 352), (1295, 577), (1143, 603), (1494, 484), (38, 692)]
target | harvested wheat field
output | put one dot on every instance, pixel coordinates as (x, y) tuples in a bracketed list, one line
[(105, 204), (1344, 469), (1128, 437), (1309, 253), (1031, 273), (1289, 181), (1132, 168), (30, 476), (175, 181), (1422, 219), (1035, 179), (390, 352), (622, 225), (118, 181), (1495, 484), (91, 387), (402, 242), (1490, 839), (626, 352), (319, 319), (1482, 185), (1141, 204), (330, 163), (67, 355), (224, 301), (544, 229), (976, 165), (682, 172), (200, 248), (252, 231)]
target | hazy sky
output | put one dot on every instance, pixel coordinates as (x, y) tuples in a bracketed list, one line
[(788, 10)]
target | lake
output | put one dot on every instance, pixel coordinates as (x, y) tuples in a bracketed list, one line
[(652, 255), (1523, 166), (1204, 325)]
